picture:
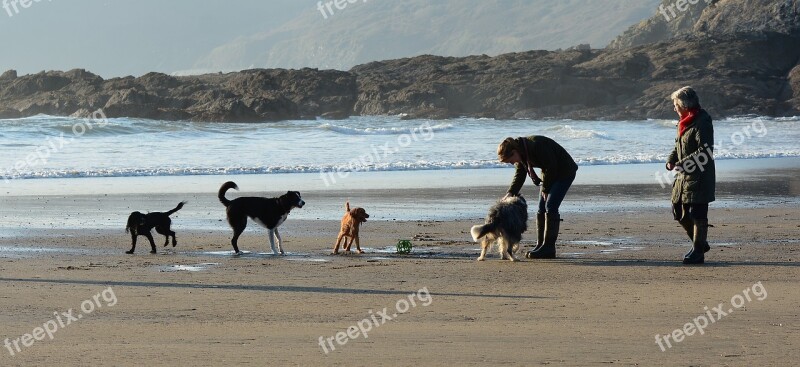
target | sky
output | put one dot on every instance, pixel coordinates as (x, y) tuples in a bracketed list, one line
[(116, 38), (122, 37)]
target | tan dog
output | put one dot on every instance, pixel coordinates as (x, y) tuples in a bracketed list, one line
[(351, 221)]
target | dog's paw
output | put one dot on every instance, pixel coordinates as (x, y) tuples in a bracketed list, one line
[(481, 258), (129, 252), (360, 251), (334, 253), (153, 252)]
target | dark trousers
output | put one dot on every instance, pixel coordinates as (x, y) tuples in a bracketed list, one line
[(689, 211), (556, 195)]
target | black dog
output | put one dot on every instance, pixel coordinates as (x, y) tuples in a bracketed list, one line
[(268, 212), (141, 224)]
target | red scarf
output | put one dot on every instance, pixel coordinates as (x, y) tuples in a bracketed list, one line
[(686, 120)]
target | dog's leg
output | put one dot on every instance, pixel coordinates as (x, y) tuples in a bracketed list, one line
[(171, 233), (152, 243), (238, 225), (165, 232), (133, 242), (280, 241), (336, 246), (235, 240), (348, 242), (504, 249), (272, 241), (484, 246), (358, 244), (512, 248)]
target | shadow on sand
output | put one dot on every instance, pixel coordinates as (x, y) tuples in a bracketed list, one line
[(258, 288)]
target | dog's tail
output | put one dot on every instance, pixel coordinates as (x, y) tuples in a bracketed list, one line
[(481, 230), (180, 205), (347, 206), (225, 187)]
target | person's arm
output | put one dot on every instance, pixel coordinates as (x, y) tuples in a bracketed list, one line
[(694, 163), (550, 167), (672, 160), (704, 137), (520, 175)]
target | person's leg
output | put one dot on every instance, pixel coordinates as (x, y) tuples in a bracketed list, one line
[(540, 223), (542, 203), (699, 215), (681, 214), (552, 219), (557, 194)]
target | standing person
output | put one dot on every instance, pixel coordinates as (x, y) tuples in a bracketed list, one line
[(558, 172), (693, 160)]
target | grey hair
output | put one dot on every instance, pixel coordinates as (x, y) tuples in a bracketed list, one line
[(686, 98)]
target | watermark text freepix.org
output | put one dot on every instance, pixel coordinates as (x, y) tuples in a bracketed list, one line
[(60, 321), (53, 145), (378, 154), (364, 326), (700, 323), (681, 5), (330, 4), (701, 158), (15, 5)]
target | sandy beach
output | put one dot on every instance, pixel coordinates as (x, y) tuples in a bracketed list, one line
[(617, 283)]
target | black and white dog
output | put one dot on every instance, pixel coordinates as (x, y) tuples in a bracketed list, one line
[(141, 224), (505, 223), (268, 212)]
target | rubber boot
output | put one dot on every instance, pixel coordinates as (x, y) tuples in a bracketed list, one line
[(548, 248), (700, 236), (688, 226), (539, 231)]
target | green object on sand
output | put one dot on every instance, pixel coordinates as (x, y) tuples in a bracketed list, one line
[(404, 247)]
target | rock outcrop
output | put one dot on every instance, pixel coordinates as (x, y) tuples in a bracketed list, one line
[(249, 95)]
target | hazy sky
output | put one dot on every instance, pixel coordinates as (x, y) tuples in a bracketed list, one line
[(132, 37), (114, 37)]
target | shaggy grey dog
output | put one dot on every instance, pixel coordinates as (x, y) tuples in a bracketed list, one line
[(505, 223)]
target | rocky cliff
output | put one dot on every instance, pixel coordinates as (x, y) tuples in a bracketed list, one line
[(741, 55), (250, 95)]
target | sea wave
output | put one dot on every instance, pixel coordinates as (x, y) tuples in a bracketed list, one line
[(571, 132), (380, 167), (347, 130)]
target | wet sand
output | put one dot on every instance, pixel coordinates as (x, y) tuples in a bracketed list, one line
[(617, 283)]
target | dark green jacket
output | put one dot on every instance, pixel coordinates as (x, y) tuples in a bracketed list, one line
[(694, 153), (542, 152)]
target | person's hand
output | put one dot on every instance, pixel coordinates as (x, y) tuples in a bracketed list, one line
[(544, 196), (670, 166)]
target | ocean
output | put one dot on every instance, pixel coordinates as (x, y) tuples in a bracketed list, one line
[(42, 147)]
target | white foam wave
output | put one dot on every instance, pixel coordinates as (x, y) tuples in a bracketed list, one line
[(393, 166), (574, 133), (383, 130)]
